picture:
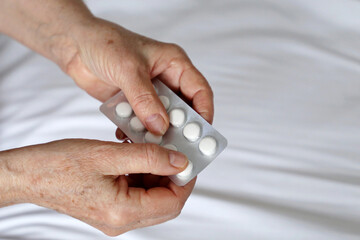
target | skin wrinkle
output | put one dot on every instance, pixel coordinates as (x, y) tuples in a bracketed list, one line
[(152, 70), (117, 185), (72, 207), (84, 178), (142, 99), (181, 77), (200, 109), (69, 64), (175, 62), (110, 71)]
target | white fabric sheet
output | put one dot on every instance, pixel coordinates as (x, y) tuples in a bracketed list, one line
[(287, 96)]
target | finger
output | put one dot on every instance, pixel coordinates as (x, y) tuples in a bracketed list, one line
[(176, 70), (162, 201), (193, 87), (142, 223), (146, 104), (196, 89), (148, 208), (140, 158), (115, 231), (184, 191)]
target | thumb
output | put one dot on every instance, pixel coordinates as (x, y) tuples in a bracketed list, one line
[(144, 158), (146, 104)]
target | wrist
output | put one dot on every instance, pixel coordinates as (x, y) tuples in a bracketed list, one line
[(63, 45), (64, 39), (11, 184), (45, 26)]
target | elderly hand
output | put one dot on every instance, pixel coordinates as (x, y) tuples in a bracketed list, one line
[(109, 57), (87, 179), (103, 57)]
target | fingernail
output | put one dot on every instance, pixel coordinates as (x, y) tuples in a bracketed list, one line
[(156, 123), (177, 159)]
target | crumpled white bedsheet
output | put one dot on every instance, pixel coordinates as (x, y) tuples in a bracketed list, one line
[(286, 77)]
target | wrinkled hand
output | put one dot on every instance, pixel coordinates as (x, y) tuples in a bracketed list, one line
[(87, 179), (109, 57)]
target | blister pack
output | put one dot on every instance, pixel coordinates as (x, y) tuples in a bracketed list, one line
[(188, 132)]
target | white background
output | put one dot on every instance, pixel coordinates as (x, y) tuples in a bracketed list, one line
[(287, 91)]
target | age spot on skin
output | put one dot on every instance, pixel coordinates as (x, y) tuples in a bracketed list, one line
[(110, 41)]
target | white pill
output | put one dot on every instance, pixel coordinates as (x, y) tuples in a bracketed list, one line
[(136, 125), (187, 172), (151, 138), (192, 131), (165, 101), (177, 117), (123, 110), (207, 146), (170, 147)]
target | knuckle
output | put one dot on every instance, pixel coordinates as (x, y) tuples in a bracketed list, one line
[(180, 60), (133, 67), (210, 92), (179, 56), (152, 155), (177, 49), (143, 100), (112, 219), (176, 208), (130, 63), (113, 232), (117, 219), (175, 215), (182, 63)]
